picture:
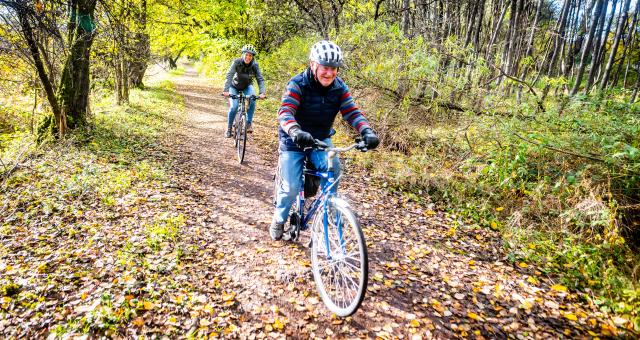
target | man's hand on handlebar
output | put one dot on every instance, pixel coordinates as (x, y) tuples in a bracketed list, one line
[(370, 139), (302, 138)]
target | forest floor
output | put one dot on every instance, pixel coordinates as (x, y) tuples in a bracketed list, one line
[(430, 276)]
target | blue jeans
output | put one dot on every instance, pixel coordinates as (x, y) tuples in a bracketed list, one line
[(291, 166), (233, 108)]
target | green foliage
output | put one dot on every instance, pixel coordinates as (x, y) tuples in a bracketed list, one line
[(286, 61), (552, 182), (164, 229), (217, 58), (189, 27)]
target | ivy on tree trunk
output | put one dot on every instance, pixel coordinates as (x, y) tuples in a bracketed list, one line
[(74, 85)]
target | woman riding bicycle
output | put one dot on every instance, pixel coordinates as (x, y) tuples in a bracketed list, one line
[(239, 78), (309, 107)]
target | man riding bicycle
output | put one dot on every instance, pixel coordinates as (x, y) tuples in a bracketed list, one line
[(239, 78), (309, 107)]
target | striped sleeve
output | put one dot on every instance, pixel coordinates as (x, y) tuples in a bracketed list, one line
[(289, 106), (351, 113)]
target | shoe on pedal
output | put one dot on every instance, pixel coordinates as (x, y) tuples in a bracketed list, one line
[(276, 230), (249, 128), (228, 134)]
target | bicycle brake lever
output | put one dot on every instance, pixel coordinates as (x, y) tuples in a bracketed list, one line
[(320, 145), (360, 145)]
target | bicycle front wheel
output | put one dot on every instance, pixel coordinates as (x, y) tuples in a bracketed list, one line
[(339, 258), (241, 143), (277, 182)]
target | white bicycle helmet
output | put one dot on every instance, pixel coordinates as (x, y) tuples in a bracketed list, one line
[(248, 48), (326, 53)]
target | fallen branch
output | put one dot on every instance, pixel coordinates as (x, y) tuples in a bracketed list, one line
[(518, 80), (8, 173), (559, 150)]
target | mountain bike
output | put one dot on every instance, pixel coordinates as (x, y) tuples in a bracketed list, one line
[(239, 127), (339, 259)]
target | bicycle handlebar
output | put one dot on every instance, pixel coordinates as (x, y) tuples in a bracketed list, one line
[(358, 145), (236, 96)]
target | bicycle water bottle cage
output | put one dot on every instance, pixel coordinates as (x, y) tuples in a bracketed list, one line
[(311, 183)]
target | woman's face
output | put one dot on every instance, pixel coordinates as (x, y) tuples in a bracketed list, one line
[(248, 57), (324, 74)]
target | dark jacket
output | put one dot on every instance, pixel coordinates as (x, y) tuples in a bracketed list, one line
[(240, 75)]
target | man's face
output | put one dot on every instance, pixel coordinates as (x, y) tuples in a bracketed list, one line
[(248, 57), (324, 74)]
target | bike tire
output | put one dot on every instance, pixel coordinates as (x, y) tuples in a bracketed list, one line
[(277, 182), (235, 132), (242, 138), (342, 277)]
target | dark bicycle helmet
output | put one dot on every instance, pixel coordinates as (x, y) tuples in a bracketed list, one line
[(248, 48), (326, 53)]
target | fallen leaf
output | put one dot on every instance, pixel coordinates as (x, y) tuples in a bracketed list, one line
[(474, 316), (278, 325), (559, 288), (138, 322)]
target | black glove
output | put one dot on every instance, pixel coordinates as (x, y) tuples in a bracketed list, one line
[(302, 138), (370, 138)]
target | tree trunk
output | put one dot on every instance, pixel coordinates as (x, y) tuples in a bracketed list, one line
[(140, 58), (376, 15), (587, 47), (534, 26), (498, 24), (595, 59), (634, 36), (27, 31), (336, 9), (405, 17), (571, 47), (472, 13), (117, 65), (635, 90), (74, 85), (559, 38), (616, 41), (478, 29), (628, 40), (603, 48)]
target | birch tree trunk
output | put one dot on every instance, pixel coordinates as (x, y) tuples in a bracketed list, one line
[(616, 41), (587, 47)]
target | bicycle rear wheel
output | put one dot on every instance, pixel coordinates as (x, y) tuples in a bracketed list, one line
[(241, 142), (339, 258)]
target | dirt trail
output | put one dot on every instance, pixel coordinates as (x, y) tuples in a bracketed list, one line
[(427, 278)]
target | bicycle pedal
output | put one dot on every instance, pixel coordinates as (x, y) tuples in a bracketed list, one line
[(286, 236), (290, 235)]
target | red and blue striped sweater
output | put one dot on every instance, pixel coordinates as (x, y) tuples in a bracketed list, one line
[(308, 105)]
